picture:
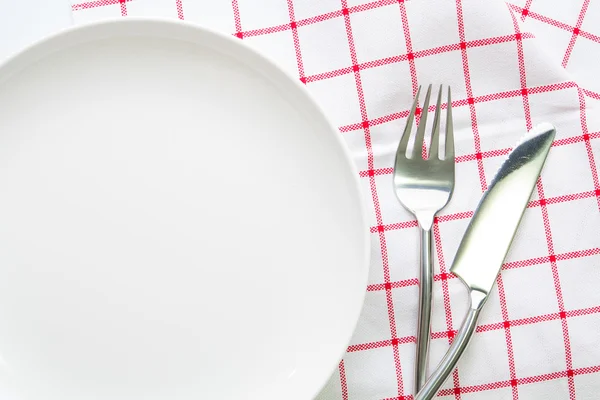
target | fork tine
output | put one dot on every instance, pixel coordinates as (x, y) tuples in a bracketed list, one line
[(435, 135), (418, 147), (406, 134), (449, 130)]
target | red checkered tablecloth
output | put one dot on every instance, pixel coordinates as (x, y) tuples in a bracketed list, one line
[(511, 65)]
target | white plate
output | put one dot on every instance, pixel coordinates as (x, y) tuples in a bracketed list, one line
[(178, 220)]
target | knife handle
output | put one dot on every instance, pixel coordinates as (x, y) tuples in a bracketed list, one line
[(458, 346)]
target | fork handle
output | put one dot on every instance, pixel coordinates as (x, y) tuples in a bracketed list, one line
[(424, 318)]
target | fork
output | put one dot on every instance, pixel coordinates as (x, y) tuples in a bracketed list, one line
[(424, 186)]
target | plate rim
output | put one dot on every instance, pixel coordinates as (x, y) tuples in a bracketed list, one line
[(239, 48)]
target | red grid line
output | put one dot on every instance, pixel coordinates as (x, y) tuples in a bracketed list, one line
[(409, 48), (452, 217), (393, 285), (557, 287), (382, 343), (591, 94), (523, 381), (513, 382), (508, 265), (498, 153), (293, 25), (507, 335), (576, 31), (468, 214), (526, 10), (549, 239), (237, 19), (463, 102), (522, 74), (372, 5), (264, 31), (476, 139), (179, 5), (100, 3), (445, 291), (480, 328), (588, 146), (538, 319), (589, 36), (318, 18), (374, 195), (299, 23), (482, 155), (343, 381), (554, 22), (411, 56), (502, 296), (576, 139), (469, 89), (546, 259)]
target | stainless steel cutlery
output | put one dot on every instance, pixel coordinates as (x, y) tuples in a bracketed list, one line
[(424, 185), (488, 238)]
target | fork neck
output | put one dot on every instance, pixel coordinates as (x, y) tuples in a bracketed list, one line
[(425, 219)]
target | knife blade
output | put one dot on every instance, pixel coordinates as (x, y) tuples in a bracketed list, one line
[(488, 237)]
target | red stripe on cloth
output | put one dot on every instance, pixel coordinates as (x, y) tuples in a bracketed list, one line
[(445, 291), (410, 55), (237, 19), (393, 285), (523, 381), (265, 31), (522, 75), (179, 5), (380, 344), (591, 94), (100, 3), (589, 36), (507, 336), (468, 214), (588, 146), (464, 102), (555, 23), (557, 287), (480, 328), (528, 125), (409, 48), (343, 382), (294, 28), (547, 259), (469, 89), (541, 18), (575, 31), (317, 18), (506, 151), (526, 9)]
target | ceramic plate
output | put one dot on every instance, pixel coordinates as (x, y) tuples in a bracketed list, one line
[(179, 221)]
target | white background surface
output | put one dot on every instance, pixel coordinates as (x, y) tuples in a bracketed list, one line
[(25, 21)]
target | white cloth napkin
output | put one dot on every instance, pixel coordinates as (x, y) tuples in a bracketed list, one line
[(510, 66)]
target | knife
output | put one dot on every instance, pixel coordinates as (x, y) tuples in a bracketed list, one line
[(488, 238)]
